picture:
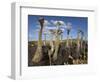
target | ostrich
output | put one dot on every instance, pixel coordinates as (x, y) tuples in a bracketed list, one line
[(38, 54), (57, 39), (67, 50), (81, 47), (55, 33), (61, 34), (79, 44), (45, 31), (68, 27), (84, 47), (51, 51), (82, 35)]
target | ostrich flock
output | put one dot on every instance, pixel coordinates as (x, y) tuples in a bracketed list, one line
[(57, 51)]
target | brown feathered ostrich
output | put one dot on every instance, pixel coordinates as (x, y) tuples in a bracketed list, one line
[(38, 54), (79, 45), (57, 38), (68, 27)]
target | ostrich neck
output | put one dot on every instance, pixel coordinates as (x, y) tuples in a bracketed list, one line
[(40, 37)]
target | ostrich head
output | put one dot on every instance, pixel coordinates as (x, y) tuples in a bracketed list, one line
[(68, 27), (41, 21)]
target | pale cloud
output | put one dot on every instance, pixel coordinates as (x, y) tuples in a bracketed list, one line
[(52, 25), (62, 29), (30, 35), (46, 23), (69, 25), (38, 26), (62, 23)]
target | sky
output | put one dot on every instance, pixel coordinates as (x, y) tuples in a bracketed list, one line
[(76, 22)]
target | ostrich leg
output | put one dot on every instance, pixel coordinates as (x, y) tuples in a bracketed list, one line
[(38, 54)]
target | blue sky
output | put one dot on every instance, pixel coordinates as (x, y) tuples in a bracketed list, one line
[(77, 22)]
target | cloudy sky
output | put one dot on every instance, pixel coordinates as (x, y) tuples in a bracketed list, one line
[(50, 23)]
